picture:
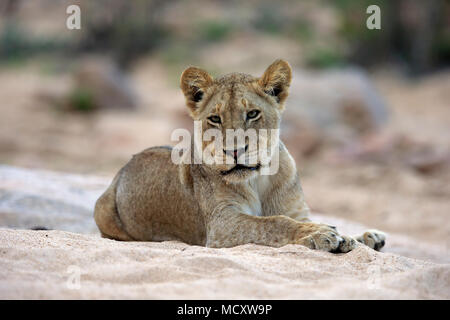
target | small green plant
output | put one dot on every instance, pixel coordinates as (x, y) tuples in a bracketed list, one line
[(214, 30), (302, 30), (16, 45), (13, 43), (82, 99), (269, 19), (324, 58)]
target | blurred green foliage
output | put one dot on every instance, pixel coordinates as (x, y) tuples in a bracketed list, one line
[(414, 33), (212, 31), (81, 99), (324, 58), (302, 30), (269, 19), (125, 31), (16, 45)]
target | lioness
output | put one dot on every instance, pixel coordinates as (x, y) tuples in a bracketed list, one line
[(220, 205)]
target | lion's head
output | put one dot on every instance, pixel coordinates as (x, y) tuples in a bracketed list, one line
[(240, 105)]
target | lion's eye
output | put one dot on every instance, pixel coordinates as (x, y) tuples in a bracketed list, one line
[(214, 119), (252, 114)]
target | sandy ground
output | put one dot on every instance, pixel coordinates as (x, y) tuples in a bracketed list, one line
[(45, 264), (62, 264)]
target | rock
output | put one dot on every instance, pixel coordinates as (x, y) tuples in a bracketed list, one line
[(394, 149), (338, 104), (429, 162), (35, 199), (102, 81), (95, 84), (301, 138)]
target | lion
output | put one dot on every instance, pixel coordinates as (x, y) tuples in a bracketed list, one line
[(221, 204)]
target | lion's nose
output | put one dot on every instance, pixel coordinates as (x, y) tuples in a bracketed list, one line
[(236, 153)]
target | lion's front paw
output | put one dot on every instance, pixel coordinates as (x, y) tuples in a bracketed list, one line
[(373, 238), (324, 238), (348, 244)]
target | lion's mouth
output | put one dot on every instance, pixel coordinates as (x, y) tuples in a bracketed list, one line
[(240, 167)]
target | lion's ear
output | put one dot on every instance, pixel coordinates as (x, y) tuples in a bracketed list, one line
[(194, 82), (276, 80)]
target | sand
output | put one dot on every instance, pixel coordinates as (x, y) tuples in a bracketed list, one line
[(72, 261), (45, 265)]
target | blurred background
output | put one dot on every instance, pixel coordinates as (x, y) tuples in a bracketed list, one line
[(367, 120)]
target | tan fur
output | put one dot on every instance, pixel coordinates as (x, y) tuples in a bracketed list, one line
[(153, 199)]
